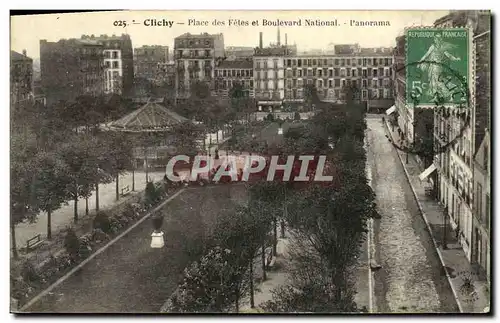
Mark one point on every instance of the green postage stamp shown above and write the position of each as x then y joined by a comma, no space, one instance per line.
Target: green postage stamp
437,66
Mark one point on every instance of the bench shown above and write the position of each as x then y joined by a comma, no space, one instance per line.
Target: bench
125,190
34,242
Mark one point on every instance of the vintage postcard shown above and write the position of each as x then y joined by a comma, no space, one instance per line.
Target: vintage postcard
250,162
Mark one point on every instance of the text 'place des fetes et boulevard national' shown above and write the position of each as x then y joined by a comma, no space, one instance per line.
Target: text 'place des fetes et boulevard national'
175,162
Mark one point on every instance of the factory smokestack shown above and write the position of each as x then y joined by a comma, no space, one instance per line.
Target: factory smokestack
279,43
260,39
286,40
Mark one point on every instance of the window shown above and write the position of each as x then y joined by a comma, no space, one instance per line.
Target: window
275,63
115,54
294,73
107,64
320,72
336,62
348,72
342,62
337,72
479,200
115,64
337,82
365,83
107,54
487,211
330,83
314,62
348,62
342,72
330,73
375,72
314,72
299,73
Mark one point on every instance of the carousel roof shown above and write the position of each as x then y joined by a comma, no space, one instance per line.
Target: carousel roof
150,117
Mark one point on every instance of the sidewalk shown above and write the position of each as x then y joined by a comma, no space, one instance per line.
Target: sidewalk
454,261
275,277
64,216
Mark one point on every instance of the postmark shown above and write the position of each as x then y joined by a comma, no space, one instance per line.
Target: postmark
438,76
466,288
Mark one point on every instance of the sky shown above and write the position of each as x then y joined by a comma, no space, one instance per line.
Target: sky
26,31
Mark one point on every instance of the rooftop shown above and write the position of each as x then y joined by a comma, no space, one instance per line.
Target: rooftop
201,35
237,64
15,56
148,118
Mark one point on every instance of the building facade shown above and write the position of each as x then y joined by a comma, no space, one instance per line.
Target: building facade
368,70
455,166
229,73
147,59
70,68
404,115
481,221
118,63
269,77
195,59
21,78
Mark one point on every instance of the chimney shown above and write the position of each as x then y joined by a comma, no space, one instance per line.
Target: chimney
260,40
166,54
278,43
24,52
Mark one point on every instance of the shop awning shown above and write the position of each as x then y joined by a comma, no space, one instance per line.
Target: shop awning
390,110
427,172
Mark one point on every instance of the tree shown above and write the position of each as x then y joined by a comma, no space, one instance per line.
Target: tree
208,284
119,157
311,98
186,136
79,154
52,177
23,204
351,93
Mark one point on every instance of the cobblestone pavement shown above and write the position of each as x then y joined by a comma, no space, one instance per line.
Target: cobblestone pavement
411,279
129,276
475,299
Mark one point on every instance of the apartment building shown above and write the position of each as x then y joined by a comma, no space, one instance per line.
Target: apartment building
195,60
369,70
229,73
481,220
70,68
147,59
118,63
269,85
467,128
21,78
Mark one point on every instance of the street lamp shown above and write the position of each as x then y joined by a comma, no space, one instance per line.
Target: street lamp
445,220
